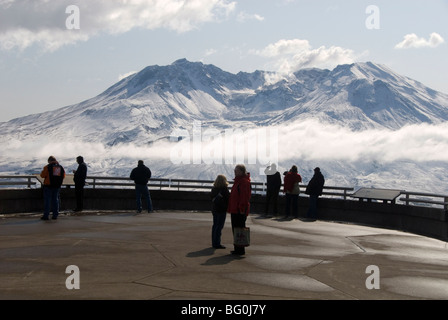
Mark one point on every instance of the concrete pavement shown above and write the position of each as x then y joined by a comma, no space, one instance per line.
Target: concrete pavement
167,255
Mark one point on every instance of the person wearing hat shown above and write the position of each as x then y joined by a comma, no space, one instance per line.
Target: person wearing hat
273,185
314,190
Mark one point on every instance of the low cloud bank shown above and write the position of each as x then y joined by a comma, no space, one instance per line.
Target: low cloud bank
413,158
314,141
301,141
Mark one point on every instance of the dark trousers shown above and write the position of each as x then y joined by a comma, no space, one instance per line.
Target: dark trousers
272,197
238,221
292,200
51,201
219,219
142,190
79,192
312,211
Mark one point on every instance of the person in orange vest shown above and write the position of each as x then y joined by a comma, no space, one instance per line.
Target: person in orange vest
53,174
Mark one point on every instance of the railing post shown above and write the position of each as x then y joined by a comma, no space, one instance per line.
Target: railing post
407,198
445,206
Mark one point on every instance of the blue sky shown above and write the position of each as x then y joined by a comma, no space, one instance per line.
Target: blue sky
58,53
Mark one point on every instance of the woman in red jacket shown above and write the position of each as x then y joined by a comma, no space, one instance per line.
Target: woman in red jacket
292,190
239,202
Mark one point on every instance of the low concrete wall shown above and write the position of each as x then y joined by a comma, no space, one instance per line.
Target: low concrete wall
431,222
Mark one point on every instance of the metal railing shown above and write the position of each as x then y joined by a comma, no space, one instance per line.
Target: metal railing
18,181
425,198
197,185
158,183
29,181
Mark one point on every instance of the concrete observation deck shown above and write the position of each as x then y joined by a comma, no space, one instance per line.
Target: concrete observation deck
167,255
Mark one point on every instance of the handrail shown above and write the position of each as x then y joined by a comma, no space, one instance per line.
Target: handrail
27,183
161,183
407,199
201,184
204,185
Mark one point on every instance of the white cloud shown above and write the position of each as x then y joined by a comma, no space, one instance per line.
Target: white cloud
210,52
324,57
311,140
411,158
122,76
243,17
51,40
290,55
413,41
284,47
43,22
307,140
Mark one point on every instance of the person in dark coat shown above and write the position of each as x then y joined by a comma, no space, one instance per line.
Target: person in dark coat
141,175
273,185
220,199
314,190
79,178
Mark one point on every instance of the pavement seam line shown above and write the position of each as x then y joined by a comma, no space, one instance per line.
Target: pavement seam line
356,244
164,256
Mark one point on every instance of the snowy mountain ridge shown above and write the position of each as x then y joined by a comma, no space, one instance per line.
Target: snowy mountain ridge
149,104
320,116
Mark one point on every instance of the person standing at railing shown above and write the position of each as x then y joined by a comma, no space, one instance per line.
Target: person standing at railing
79,178
273,185
53,175
239,202
314,190
220,200
141,175
292,190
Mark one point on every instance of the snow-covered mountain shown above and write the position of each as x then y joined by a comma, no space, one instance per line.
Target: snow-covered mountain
149,104
147,107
